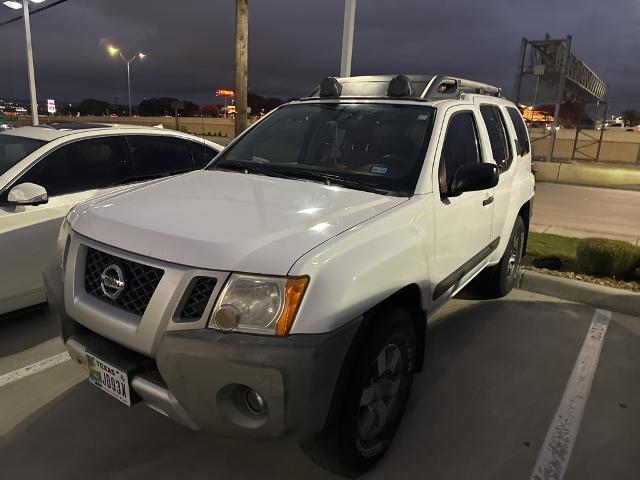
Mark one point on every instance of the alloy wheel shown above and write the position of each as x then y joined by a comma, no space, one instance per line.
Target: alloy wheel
380,393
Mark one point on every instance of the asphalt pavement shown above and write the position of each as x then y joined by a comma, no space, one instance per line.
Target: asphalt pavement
581,212
499,375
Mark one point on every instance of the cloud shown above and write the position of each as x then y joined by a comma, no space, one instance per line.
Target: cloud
294,44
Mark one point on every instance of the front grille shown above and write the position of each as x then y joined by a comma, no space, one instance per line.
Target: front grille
140,281
198,298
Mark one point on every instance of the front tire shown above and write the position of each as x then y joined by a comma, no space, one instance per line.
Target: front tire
504,276
364,420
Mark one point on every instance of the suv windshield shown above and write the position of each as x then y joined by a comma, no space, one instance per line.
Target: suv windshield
373,147
14,148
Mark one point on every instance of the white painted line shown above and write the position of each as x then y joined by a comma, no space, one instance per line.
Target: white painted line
36,367
554,456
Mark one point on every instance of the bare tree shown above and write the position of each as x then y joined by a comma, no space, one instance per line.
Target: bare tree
631,117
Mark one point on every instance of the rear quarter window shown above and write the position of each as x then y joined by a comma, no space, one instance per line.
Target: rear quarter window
521,131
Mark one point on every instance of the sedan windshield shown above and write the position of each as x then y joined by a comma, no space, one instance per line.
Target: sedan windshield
14,148
372,147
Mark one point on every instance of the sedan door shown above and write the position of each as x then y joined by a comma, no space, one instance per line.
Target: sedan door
71,174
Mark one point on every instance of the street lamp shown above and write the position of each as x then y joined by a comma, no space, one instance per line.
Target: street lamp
24,5
113,51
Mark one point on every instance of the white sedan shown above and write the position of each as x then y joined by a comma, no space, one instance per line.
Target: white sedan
45,171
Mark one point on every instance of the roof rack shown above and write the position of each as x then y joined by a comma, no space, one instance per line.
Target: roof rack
414,87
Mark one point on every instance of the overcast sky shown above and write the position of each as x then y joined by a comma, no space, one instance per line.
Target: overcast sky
295,43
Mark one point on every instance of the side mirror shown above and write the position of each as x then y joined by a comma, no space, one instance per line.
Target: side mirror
472,177
27,194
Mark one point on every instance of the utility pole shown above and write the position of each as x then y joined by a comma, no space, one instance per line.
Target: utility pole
347,37
32,76
242,61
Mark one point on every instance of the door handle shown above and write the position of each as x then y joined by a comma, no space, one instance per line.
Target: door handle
487,201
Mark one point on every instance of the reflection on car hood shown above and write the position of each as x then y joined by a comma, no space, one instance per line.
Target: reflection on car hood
227,221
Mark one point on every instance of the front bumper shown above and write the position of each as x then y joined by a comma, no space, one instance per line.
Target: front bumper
198,376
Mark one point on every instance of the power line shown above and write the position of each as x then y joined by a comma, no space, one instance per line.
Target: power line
33,12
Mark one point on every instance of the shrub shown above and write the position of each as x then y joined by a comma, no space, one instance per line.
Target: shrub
604,257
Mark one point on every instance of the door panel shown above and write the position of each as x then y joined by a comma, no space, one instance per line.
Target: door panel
28,237
71,174
517,139
463,222
503,151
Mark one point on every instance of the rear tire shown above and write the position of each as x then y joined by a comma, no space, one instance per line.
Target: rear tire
363,421
503,277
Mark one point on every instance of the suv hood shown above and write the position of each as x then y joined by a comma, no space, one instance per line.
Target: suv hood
227,221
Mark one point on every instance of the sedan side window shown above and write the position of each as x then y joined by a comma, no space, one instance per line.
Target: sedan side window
460,146
202,154
80,166
157,156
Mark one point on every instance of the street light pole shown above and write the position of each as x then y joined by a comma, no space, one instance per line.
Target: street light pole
347,37
32,76
113,51
24,6
128,62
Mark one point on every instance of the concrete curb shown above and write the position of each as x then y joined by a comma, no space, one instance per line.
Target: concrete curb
585,174
608,298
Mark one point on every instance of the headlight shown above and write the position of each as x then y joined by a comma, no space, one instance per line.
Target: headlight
257,304
63,243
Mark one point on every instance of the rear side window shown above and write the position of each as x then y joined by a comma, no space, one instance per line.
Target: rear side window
80,166
157,156
521,130
460,147
202,154
497,136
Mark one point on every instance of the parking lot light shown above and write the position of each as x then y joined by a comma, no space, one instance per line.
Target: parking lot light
15,5
113,51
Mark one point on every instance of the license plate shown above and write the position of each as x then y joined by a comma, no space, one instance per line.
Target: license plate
107,377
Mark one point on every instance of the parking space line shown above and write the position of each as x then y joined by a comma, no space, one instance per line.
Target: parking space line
34,368
555,453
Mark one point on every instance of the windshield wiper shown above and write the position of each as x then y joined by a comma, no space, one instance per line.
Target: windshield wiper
294,173
331,179
253,167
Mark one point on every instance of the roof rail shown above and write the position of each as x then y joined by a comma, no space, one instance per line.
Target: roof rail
413,87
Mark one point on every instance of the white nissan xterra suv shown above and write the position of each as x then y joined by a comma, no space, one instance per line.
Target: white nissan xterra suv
285,288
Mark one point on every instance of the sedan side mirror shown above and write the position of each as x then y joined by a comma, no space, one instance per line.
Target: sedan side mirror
27,194
471,177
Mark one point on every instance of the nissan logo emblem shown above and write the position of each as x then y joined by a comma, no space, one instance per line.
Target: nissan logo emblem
112,281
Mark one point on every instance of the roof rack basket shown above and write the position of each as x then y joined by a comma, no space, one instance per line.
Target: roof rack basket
442,86
413,87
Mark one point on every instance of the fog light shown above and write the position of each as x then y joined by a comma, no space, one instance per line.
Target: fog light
226,319
255,403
